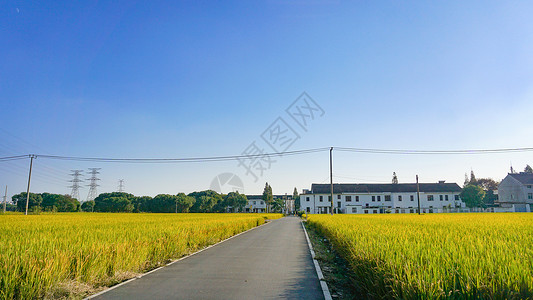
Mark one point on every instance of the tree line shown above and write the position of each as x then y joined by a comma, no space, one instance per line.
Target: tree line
201,202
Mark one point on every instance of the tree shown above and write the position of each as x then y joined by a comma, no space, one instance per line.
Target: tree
394,178
473,195
296,199
88,206
528,169
267,196
114,202
61,203
472,178
277,205
207,201
183,203
236,201
467,181
20,201
488,185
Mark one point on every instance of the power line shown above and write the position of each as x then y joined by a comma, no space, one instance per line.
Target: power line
181,160
407,151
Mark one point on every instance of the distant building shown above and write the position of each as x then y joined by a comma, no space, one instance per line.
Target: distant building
516,192
257,205
367,198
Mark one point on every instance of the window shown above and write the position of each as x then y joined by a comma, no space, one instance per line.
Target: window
367,205
430,197
374,198
321,198
379,198
356,198
307,199
412,198
348,198
308,210
529,186
375,211
262,203
366,211
338,196
530,195
329,198
387,197
399,198
446,197
456,197
254,202
354,210
411,211
441,197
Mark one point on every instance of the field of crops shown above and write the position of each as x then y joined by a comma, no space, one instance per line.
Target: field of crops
436,255
72,254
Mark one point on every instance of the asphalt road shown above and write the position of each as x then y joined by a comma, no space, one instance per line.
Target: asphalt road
269,262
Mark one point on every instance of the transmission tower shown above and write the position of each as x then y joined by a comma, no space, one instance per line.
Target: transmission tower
121,185
92,186
75,193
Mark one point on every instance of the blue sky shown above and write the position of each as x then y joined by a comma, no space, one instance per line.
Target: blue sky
191,79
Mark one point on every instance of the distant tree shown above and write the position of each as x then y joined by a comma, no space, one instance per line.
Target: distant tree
473,195
467,181
528,169
142,204
277,205
61,203
236,201
394,178
267,196
207,201
88,206
296,199
33,205
183,203
472,178
488,185
114,202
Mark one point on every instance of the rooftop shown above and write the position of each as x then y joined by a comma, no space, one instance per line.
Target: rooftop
319,188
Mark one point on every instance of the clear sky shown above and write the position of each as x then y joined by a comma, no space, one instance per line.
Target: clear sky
205,78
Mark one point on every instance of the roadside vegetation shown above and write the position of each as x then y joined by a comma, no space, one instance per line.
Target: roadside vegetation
71,255
455,256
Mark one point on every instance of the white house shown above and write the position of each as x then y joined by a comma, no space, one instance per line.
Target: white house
257,205
516,191
367,198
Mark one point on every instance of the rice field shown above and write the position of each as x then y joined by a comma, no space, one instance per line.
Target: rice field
75,254
435,256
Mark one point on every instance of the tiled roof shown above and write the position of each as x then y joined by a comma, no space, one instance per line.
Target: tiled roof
524,178
317,188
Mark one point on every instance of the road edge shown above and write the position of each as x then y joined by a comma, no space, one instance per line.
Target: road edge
175,261
323,284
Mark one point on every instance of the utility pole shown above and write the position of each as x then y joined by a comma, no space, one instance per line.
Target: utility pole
32,156
5,199
92,190
75,193
331,176
121,185
418,194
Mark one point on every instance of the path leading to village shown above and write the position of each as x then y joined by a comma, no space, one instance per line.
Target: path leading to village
269,262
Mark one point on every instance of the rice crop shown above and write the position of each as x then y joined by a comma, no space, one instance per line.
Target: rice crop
75,254
435,256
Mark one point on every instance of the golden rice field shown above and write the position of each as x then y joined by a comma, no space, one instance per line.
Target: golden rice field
73,254
435,256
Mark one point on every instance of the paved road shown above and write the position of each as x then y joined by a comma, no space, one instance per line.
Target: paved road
269,262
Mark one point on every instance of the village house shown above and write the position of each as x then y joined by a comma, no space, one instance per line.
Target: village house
516,192
365,198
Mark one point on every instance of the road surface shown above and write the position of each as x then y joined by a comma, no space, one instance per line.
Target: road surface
269,262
